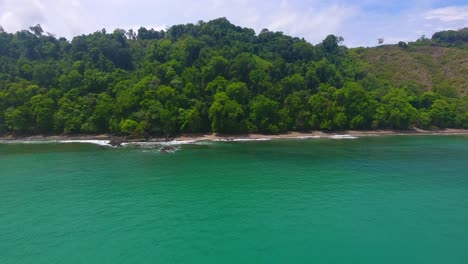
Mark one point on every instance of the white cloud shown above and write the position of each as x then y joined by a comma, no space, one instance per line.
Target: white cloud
314,23
16,13
60,16
359,22
449,14
405,25
312,20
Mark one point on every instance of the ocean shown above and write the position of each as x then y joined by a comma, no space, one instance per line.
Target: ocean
386,199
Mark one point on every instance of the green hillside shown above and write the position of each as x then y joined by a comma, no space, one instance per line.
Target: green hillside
217,77
433,68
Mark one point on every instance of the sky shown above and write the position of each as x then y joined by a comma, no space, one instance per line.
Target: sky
360,22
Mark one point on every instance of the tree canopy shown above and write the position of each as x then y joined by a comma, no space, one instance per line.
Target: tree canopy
205,77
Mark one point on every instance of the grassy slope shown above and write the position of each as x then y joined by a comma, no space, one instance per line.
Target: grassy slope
427,66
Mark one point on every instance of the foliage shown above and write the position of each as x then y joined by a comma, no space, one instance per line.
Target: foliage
457,38
210,76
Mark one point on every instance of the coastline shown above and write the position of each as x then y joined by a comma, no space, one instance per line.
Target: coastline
188,138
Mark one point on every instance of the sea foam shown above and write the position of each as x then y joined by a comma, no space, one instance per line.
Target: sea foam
346,136
95,142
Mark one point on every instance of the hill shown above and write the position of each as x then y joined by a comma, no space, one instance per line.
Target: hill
217,77
433,68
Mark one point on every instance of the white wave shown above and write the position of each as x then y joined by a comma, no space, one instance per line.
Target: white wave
139,144
221,140
251,139
308,137
95,142
178,142
161,143
346,136
155,147
170,149
85,141
27,141
240,139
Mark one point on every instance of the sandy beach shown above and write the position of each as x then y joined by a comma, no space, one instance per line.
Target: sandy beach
245,137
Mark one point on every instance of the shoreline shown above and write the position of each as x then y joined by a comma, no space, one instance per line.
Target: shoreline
346,134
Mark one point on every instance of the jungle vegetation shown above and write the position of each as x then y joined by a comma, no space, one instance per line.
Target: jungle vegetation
216,77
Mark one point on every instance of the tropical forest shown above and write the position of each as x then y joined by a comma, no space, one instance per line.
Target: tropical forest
218,77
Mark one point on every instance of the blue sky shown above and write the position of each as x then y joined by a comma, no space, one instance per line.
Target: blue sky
359,22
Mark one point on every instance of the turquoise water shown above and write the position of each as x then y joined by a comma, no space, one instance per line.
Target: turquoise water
366,200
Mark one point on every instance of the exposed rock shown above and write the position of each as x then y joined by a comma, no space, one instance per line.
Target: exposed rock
167,149
116,141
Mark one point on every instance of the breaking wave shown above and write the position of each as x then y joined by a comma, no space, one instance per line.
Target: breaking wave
95,142
346,136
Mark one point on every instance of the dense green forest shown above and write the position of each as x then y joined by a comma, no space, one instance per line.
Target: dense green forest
208,77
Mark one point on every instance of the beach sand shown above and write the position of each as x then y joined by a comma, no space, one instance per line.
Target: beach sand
246,137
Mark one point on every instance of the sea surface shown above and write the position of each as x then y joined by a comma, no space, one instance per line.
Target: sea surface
397,199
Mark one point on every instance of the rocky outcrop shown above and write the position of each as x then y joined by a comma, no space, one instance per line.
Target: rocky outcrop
116,141
167,149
